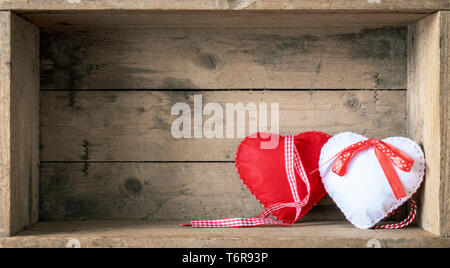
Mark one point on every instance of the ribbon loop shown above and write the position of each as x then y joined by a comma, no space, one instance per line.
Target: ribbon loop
412,214
387,156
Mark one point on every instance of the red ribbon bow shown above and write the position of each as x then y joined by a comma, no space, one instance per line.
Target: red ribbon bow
387,156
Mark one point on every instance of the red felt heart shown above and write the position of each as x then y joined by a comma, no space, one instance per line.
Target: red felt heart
263,171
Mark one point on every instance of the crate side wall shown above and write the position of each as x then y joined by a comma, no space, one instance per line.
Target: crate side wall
20,123
445,122
5,134
428,114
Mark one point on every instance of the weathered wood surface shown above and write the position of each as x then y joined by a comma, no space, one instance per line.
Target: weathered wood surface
304,5
24,122
214,19
169,234
225,58
445,125
149,191
5,134
428,86
19,106
136,125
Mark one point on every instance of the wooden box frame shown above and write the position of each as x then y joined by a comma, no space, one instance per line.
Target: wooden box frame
428,123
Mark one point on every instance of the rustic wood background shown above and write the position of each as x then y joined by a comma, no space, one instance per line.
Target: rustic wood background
106,95
19,121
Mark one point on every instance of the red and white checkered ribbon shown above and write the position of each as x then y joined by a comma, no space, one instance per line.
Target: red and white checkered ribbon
405,222
293,165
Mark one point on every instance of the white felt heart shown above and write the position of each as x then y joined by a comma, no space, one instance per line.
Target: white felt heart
364,194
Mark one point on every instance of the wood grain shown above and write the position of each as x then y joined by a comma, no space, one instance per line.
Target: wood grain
136,125
24,122
224,58
5,121
149,191
112,234
445,82
445,122
62,21
304,5
19,86
428,88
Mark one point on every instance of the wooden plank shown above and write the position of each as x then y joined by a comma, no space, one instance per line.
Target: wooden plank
169,234
214,19
19,84
149,191
24,123
225,58
428,87
304,5
136,125
5,134
445,122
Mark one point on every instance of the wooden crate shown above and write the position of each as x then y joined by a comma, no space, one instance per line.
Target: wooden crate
86,89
